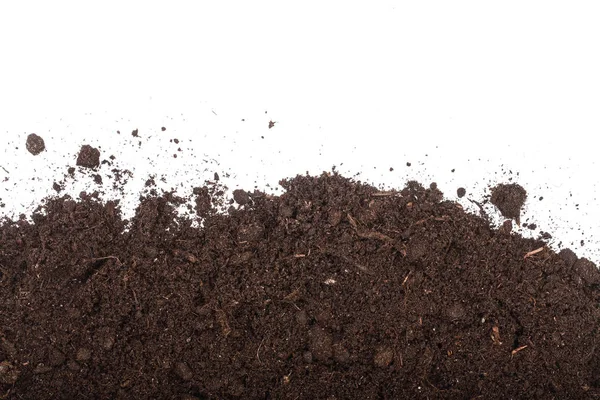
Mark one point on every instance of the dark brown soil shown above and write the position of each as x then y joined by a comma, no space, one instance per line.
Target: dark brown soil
332,291
460,192
89,157
35,144
241,196
509,199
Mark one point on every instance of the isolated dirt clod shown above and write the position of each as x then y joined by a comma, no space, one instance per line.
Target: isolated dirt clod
509,199
241,197
89,157
35,144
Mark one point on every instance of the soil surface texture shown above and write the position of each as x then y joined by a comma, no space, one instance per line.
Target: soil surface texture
509,199
35,144
334,290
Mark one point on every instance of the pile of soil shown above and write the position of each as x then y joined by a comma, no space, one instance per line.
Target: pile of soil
333,290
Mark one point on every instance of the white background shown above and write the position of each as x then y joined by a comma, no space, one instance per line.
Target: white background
480,87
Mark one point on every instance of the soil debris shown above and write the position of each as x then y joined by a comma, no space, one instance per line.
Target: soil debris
89,157
509,199
35,144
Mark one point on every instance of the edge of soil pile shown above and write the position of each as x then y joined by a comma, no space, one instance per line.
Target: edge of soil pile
333,290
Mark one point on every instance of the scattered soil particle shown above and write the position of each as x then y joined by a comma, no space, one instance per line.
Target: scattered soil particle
271,124
461,192
509,199
35,144
89,157
332,290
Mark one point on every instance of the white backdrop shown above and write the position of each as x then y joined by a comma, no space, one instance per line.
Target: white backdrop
473,86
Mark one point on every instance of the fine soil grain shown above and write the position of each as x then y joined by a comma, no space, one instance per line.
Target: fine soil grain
333,290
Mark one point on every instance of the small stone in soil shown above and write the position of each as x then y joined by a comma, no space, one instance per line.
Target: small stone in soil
461,192
89,157
35,144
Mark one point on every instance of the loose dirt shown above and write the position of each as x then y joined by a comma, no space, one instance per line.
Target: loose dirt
333,290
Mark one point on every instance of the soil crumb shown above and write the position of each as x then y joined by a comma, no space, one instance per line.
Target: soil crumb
461,192
509,199
89,157
35,144
333,290
241,197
